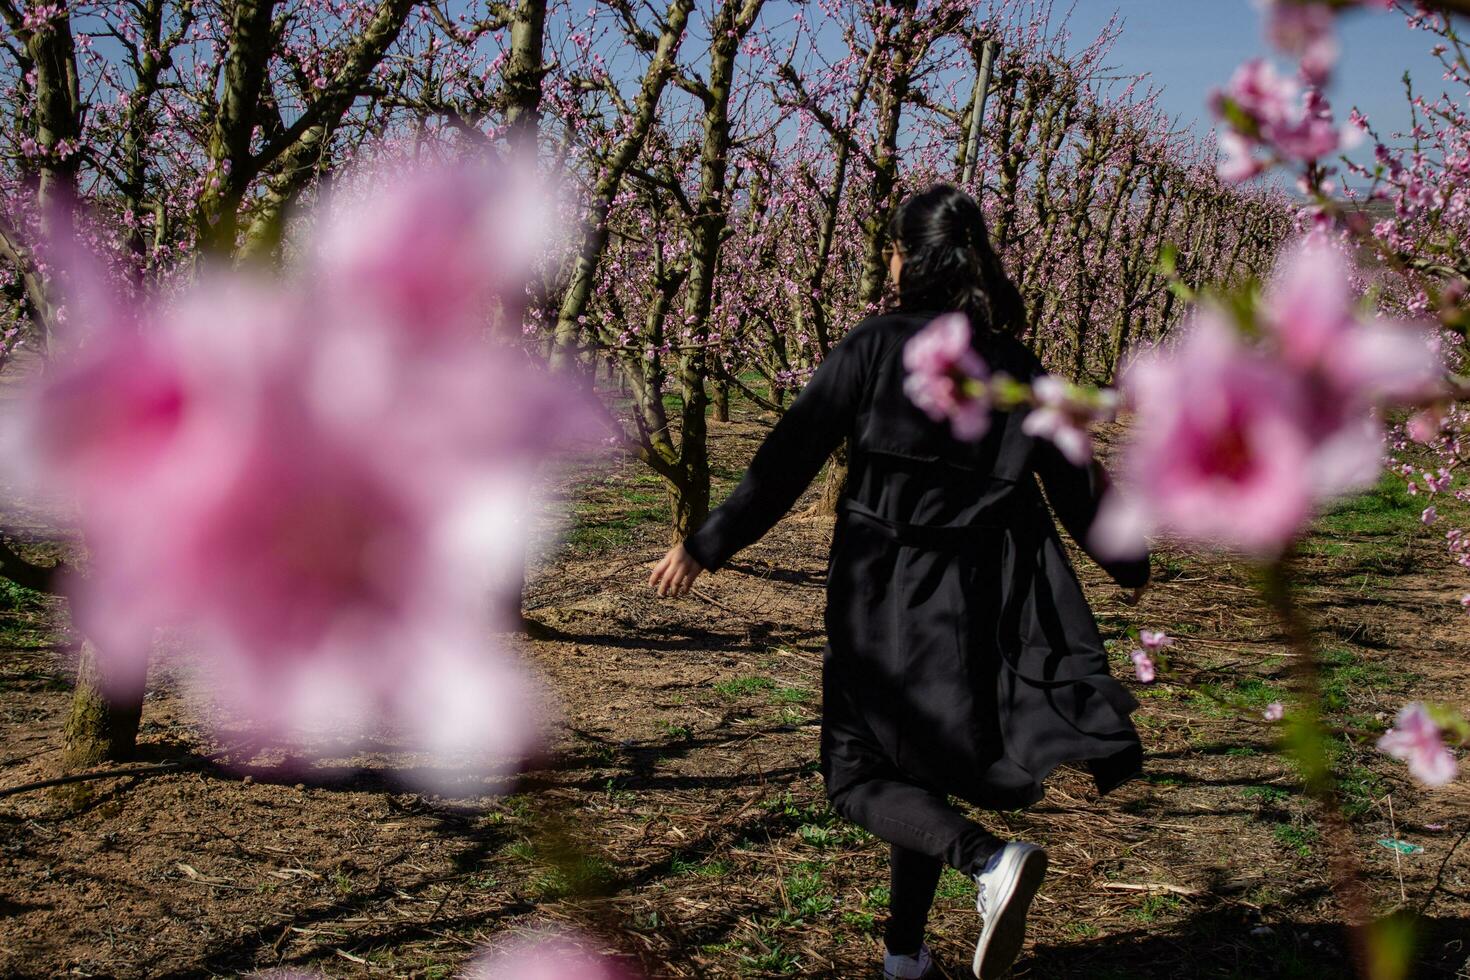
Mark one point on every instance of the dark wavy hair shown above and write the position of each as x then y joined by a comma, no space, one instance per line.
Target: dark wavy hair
949,263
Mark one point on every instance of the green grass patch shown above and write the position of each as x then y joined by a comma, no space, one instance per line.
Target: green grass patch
1386,509
1155,907
582,875
739,687
599,528
772,961
1372,532
675,731
18,598
1359,788
1346,675
806,894
1266,795
702,867
1296,838
955,884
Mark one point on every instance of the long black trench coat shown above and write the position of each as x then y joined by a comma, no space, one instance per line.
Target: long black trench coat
961,655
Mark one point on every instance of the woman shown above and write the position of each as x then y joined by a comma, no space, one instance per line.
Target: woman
962,658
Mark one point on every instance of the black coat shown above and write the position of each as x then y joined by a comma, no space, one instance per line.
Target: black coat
961,652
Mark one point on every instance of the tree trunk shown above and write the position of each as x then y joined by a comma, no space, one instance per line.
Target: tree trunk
688,506
523,77
834,482
105,712
722,400
567,334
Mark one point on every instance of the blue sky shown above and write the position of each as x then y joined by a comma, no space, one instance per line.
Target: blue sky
1191,46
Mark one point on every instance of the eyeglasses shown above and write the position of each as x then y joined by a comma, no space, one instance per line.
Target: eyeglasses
889,251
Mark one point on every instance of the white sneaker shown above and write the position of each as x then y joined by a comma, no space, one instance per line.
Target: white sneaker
907,967
1006,887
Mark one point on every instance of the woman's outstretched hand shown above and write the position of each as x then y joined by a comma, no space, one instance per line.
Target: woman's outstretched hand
675,572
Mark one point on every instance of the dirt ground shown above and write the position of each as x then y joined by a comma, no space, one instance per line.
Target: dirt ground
679,817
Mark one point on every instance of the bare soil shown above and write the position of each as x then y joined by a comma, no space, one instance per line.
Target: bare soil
679,817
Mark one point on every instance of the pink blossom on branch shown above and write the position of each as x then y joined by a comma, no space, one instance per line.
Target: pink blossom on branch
1266,110
1416,738
1234,445
1155,640
1218,442
946,376
1063,414
1349,362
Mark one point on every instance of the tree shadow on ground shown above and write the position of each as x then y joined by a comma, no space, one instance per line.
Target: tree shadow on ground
1223,944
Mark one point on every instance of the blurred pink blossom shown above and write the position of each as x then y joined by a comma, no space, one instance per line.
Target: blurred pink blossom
322,478
549,957
1154,640
1235,445
1305,31
1311,313
1417,740
1275,711
1143,666
946,375
1266,110
432,252
1217,447
1063,414
1239,162
1348,362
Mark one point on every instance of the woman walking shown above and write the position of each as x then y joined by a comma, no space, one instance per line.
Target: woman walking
962,658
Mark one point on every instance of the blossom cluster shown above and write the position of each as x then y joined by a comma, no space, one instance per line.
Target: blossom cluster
948,379
1237,444
322,478
1288,118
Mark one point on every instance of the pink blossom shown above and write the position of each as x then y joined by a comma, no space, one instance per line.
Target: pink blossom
1239,162
1154,640
1307,137
1264,108
432,254
1416,739
1218,442
1143,666
1465,601
1062,414
1305,31
1275,711
1259,92
551,957
1425,426
1348,363
328,494
1430,515
946,376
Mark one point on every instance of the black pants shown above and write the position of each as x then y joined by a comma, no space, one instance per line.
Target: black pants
926,833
